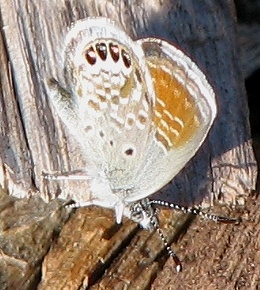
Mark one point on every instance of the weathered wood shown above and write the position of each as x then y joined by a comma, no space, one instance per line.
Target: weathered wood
28,227
131,257
33,140
218,256
249,39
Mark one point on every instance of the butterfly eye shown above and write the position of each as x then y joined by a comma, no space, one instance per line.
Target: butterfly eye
114,51
90,56
102,50
126,58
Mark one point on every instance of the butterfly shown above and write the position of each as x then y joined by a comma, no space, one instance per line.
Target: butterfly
139,110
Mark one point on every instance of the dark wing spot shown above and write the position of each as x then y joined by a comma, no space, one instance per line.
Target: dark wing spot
90,56
102,50
126,58
129,152
114,51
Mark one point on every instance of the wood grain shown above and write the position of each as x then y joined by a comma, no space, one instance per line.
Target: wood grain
33,140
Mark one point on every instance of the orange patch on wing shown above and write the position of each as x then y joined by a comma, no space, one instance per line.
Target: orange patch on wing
176,115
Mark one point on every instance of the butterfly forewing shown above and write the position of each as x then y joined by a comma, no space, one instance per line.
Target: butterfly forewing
110,87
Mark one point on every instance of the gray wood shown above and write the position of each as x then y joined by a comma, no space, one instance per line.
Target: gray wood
33,139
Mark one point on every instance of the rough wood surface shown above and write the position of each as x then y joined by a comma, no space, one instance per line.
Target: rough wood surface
249,39
33,140
218,256
27,229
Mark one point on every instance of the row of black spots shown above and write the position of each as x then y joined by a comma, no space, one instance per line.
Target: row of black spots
101,50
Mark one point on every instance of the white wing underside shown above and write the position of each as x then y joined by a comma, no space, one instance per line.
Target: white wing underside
117,181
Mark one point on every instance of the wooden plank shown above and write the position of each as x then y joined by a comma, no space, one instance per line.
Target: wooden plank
34,140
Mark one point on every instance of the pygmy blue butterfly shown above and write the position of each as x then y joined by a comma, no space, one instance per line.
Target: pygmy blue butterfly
139,110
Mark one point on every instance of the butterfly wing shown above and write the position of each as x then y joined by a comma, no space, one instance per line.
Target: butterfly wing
184,111
108,102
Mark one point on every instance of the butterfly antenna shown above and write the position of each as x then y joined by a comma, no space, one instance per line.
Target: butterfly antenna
196,211
171,253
